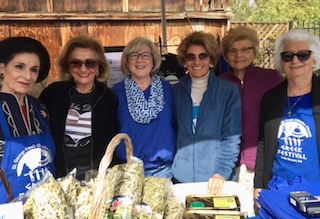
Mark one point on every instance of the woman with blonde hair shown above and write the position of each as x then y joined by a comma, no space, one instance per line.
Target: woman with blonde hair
146,108
83,110
240,46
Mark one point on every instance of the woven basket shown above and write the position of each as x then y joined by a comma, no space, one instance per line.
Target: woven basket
6,184
102,172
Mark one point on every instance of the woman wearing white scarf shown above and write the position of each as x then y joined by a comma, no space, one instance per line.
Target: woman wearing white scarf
145,108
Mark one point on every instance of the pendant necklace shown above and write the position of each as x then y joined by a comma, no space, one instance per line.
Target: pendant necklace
293,105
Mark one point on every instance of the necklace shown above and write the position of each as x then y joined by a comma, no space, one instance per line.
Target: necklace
86,92
293,105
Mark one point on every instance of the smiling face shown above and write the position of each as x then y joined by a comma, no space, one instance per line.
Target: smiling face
20,74
83,75
140,65
199,65
296,68
240,55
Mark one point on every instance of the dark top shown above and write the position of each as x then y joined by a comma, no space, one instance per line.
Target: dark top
57,98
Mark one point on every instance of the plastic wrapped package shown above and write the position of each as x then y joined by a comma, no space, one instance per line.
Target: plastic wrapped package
70,186
155,194
123,192
84,201
174,208
121,180
47,200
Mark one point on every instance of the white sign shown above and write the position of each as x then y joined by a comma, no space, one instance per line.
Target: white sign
114,58
12,210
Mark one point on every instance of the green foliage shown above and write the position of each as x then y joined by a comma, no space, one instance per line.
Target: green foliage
277,10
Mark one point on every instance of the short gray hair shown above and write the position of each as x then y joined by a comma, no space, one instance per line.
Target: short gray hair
133,46
297,35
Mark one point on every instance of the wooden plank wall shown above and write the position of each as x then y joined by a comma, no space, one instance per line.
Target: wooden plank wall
113,33
113,22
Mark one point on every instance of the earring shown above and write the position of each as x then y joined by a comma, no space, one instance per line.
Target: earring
211,65
184,65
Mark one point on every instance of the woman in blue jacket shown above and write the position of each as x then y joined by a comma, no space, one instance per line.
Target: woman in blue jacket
208,113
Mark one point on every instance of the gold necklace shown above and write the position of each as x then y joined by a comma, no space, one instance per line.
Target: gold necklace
291,107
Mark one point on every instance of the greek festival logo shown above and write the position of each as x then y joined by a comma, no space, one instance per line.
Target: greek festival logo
32,162
292,133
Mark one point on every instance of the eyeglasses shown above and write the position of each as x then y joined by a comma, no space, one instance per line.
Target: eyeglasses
192,57
144,55
89,63
302,55
233,51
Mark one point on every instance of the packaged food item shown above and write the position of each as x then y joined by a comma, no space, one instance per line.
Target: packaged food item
47,200
123,192
213,214
155,193
70,185
142,211
174,207
123,180
84,201
213,202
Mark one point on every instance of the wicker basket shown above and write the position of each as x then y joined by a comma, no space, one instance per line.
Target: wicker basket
102,172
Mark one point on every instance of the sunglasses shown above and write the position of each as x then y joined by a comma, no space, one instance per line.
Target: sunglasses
192,57
89,63
302,55
144,55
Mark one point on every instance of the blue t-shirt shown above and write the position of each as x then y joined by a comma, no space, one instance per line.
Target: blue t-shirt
297,153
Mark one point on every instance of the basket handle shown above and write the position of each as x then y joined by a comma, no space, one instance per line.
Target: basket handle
102,171
6,184
107,158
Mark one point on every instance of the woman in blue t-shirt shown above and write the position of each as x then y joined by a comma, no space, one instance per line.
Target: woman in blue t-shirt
289,118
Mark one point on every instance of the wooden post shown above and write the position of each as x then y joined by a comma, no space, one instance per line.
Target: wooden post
125,5
164,26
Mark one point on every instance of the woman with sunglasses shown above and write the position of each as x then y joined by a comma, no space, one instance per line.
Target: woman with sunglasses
82,108
208,111
240,47
289,138
26,146
146,108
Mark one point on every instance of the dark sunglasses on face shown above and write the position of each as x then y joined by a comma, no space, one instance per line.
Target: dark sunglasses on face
302,55
144,55
89,63
192,57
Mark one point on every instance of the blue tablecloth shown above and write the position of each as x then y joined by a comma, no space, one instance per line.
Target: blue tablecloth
275,202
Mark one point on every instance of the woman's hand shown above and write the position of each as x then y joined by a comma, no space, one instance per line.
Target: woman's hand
256,195
215,184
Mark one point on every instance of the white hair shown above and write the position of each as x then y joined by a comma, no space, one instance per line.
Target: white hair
297,35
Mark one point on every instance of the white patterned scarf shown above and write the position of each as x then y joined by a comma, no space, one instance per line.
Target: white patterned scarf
142,110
